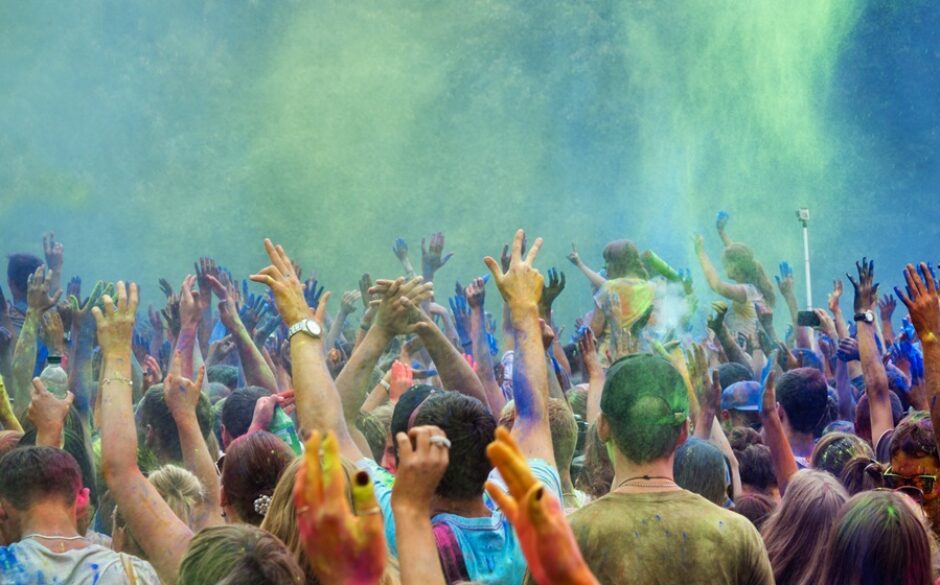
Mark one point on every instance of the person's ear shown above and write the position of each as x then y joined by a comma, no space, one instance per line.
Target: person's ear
603,428
226,438
725,415
150,437
683,433
82,501
782,414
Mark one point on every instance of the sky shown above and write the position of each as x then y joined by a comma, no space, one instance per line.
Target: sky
147,134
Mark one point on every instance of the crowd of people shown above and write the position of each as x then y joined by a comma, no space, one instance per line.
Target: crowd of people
252,432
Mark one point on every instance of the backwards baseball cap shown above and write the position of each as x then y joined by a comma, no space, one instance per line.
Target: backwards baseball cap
645,390
744,396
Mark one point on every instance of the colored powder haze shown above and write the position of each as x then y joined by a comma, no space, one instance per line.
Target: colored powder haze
149,133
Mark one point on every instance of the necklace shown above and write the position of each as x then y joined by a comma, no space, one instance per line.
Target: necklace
646,478
46,537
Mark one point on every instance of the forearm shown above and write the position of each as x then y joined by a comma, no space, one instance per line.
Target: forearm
876,381
318,403
596,380
118,439
484,361
887,332
711,275
732,350
336,329
453,369
376,398
417,550
198,460
352,383
595,278
24,361
780,451
931,347
844,390
718,437
206,323
257,371
530,384
81,382
7,419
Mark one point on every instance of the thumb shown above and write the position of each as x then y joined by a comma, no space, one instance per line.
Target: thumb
69,399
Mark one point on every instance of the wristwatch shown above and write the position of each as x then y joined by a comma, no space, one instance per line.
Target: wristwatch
866,316
308,326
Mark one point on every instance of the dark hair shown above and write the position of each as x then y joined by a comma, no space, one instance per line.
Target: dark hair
76,444
863,416
876,539
914,436
732,372
741,437
470,428
406,405
239,409
756,467
803,394
33,474
861,474
218,391
155,413
19,268
253,464
223,374
834,450
700,467
755,507
645,403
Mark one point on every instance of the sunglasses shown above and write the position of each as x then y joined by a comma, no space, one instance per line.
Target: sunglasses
924,483
908,490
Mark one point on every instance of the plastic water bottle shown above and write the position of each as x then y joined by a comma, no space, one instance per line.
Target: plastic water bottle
54,377
282,427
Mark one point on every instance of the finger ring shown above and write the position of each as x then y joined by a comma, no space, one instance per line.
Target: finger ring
440,441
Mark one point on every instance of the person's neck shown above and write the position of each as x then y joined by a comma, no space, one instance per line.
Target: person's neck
801,444
660,469
468,508
49,519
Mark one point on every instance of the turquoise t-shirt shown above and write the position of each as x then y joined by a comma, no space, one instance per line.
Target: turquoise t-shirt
488,544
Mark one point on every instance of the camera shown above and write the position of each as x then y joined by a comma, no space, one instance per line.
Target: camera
802,214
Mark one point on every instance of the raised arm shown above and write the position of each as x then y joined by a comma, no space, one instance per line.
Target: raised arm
780,451
257,371
482,358
876,380
521,288
81,376
162,535
53,251
400,249
734,292
923,303
721,223
594,278
318,403
38,300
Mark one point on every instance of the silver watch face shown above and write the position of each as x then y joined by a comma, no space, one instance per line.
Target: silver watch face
312,327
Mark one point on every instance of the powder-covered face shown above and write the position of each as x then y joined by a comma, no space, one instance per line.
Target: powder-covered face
903,464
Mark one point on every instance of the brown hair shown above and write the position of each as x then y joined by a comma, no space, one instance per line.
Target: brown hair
237,554
878,538
751,271
253,464
796,533
597,474
861,474
623,259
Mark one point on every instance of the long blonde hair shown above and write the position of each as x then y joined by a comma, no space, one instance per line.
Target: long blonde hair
281,521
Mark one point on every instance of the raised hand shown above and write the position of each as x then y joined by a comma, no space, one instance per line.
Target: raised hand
506,257
365,283
53,331
47,412
721,220
698,243
717,319
288,292
461,311
866,293
74,287
350,299
53,251
312,293
521,283
116,322
400,249
167,288
835,296
396,309
204,268
172,315
401,379
189,307
886,306
550,291
768,405
37,290
431,259
182,394
344,544
152,372
922,302
848,349
587,346
537,516
573,255
785,280
476,293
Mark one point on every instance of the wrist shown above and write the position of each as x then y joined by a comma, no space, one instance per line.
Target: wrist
185,416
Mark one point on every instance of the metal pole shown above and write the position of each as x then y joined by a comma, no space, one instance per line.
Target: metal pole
809,282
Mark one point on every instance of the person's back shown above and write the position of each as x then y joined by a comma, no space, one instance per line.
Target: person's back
40,496
668,537
648,530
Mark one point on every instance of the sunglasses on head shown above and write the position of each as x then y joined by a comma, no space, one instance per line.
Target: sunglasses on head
925,483
908,490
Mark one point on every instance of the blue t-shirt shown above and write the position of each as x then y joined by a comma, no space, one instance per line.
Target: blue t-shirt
488,544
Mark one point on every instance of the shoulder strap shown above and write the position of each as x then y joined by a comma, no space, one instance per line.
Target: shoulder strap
448,549
128,569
